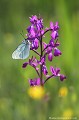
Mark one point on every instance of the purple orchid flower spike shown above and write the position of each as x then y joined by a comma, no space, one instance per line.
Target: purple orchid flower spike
35,34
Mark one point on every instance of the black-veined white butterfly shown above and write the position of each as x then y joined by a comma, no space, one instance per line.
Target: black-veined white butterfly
22,51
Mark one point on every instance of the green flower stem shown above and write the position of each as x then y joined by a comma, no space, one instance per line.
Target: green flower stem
41,54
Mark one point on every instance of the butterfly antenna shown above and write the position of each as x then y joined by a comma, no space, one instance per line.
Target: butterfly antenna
22,34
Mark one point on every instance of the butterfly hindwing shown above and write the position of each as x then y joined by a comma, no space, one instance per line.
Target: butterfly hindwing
25,53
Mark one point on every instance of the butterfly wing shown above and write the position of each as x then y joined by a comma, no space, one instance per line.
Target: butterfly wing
25,53
22,51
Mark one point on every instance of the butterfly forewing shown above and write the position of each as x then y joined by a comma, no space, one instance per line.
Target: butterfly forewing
22,51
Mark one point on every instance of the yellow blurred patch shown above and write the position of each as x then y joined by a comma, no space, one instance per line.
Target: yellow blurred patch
63,91
36,92
68,113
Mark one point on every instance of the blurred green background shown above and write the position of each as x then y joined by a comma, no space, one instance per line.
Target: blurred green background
15,104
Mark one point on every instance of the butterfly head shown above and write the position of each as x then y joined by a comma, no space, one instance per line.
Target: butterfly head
25,41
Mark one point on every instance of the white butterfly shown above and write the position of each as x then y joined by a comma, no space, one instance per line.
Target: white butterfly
22,51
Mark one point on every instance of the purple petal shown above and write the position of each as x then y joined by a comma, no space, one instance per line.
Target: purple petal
44,45
50,56
34,64
31,82
39,24
49,49
31,60
33,19
62,77
54,35
25,64
56,27
57,71
36,43
44,70
51,42
51,25
43,59
56,44
57,52
37,68
37,82
53,70
32,31
42,32
28,29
